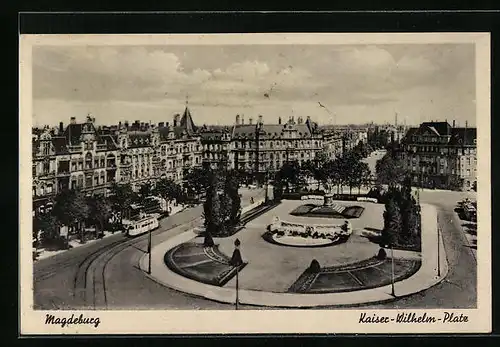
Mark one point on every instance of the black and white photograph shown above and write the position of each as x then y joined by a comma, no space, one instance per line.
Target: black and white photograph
266,183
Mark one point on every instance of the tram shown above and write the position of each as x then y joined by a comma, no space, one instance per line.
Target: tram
141,226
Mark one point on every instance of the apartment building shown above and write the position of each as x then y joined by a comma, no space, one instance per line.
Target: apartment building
261,148
73,157
440,155
180,146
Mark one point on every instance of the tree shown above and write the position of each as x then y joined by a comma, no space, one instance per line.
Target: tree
392,223
291,174
50,227
231,190
222,207
363,176
331,175
71,209
121,196
277,190
196,180
315,168
100,211
145,190
168,189
389,171
353,170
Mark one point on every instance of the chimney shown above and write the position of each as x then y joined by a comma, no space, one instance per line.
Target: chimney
61,127
161,124
242,119
250,120
72,120
167,124
176,120
279,120
237,119
453,124
126,124
260,119
119,125
300,120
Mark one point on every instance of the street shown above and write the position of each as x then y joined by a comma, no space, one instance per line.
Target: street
55,279
126,286
459,289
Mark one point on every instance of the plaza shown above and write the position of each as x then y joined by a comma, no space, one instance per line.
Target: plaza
278,275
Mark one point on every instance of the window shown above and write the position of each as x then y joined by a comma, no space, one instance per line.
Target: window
88,161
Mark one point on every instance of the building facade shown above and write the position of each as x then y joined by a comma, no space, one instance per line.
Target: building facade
263,148
438,155
75,157
180,148
92,158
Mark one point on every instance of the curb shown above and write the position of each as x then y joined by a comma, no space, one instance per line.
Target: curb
251,297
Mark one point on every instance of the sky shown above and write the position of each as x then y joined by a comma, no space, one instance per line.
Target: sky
355,83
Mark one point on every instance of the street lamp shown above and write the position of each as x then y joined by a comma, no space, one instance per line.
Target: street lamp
438,252
236,261
149,252
392,271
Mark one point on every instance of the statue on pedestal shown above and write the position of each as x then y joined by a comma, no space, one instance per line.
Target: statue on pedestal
328,200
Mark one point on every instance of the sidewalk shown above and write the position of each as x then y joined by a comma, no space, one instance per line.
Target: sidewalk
426,277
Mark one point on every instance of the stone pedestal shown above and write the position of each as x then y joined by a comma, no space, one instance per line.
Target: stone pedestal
328,200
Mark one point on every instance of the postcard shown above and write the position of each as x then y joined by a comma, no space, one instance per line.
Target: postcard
255,183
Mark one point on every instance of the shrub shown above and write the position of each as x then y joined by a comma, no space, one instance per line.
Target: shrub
315,235
280,233
381,254
208,241
314,267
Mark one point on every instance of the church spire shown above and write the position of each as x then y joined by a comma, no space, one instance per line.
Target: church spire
187,120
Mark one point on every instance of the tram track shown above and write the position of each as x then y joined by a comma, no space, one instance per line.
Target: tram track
90,281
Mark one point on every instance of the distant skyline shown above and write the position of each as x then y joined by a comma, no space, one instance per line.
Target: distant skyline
356,84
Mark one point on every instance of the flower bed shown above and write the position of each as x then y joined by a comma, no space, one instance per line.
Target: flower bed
312,235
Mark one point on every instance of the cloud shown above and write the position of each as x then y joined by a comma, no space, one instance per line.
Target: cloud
343,77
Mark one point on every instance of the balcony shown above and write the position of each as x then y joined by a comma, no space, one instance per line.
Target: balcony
63,173
47,175
74,149
122,164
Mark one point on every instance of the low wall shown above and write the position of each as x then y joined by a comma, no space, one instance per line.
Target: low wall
256,203
365,199
312,197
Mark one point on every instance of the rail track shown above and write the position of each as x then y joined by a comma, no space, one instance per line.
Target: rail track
90,283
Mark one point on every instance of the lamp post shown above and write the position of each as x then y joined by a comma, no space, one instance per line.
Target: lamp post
392,271
438,252
236,261
149,252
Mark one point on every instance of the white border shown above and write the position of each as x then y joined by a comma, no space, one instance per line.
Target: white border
258,321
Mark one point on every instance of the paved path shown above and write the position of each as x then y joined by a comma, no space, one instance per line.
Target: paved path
426,277
54,278
459,289
124,280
